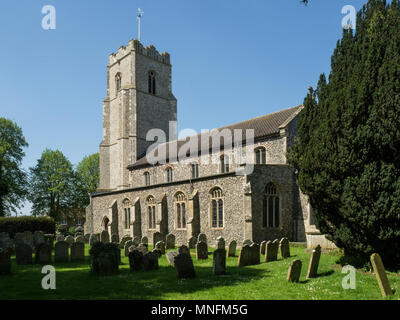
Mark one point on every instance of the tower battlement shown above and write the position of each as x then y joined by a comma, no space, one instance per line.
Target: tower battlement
135,45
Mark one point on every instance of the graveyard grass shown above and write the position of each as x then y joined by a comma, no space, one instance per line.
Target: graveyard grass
260,282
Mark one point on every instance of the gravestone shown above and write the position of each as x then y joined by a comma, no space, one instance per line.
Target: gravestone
160,245
201,251
18,238
145,240
314,262
128,244
150,261
284,248
94,237
5,241
80,239
43,254
255,253
294,271
38,238
142,248
23,254
135,260
104,258
170,241
78,251
262,247
124,240
28,238
114,238
381,276
271,251
156,237
104,236
171,257
5,261
220,243
158,252
183,249
202,237
61,251
59,237
247,242
232,249
275,249
219,262
70,240
192,242
245,256
87,237
136,241
184,266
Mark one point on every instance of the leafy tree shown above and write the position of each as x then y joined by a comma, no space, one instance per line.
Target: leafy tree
52,183
13,179
348,153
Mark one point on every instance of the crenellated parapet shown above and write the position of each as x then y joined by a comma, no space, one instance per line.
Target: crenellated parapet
135,45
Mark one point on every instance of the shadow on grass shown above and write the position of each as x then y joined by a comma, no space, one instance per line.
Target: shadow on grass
325,274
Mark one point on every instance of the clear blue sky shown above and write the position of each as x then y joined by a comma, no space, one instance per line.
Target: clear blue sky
232,60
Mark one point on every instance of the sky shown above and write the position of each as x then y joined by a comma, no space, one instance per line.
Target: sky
232,60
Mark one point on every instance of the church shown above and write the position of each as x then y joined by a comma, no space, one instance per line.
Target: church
209,191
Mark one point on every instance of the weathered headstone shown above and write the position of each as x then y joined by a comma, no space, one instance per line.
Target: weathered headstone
381,276
128,244
77,251
87,237
184,249
275,249
5,261
104,236
271,251
262,247
220,243
201,251
23,254
43,254
170,241
232,249
135,260
80,239
219,262
247,242
294,271
150,261
202,238
314,262
38,238
145,240
104,258
94,237
124,240
184,266
156,237
171,257
143,248
61,251
114,238
160,245
59,237
70,240
255,253
192,242
245,256
28,238
284,248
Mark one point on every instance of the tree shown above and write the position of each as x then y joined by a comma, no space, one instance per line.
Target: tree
348,153
87,175
52,183
13,179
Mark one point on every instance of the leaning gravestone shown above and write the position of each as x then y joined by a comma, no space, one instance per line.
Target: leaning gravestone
219,262
23,254
255,253
124,240
94,237
171,257
114,238
294,271
284,248
184,266
232,249
38,238
70,240
160,245
77,251
61,251
201,251
104,236
59,237
150,261
381,276
220,243
104,258
43,254
170,239
202,237
80,239
184,249
128,244
262,247
5,261
192,242
135,260
245,257
143,248
314,262
156,237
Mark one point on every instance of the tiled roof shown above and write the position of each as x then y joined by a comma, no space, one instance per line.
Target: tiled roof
263,126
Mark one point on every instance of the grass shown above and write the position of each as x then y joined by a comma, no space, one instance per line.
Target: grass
261,282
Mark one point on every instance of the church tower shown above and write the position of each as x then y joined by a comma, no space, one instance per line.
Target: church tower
139,98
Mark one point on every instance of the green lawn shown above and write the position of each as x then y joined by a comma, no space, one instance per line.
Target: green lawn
264,281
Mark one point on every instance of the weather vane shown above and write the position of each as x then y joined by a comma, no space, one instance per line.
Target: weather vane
139,16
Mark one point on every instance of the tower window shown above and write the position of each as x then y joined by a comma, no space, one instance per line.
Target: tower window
169,175
118,79
147,179
152,82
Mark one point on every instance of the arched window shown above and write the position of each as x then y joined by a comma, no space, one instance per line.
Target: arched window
224,164
146,178
261,156
195,170
118,79
151,212
169,174
271,207
152,82
217,208
180,210
127,213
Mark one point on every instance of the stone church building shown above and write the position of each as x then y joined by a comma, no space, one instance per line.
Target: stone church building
138,197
